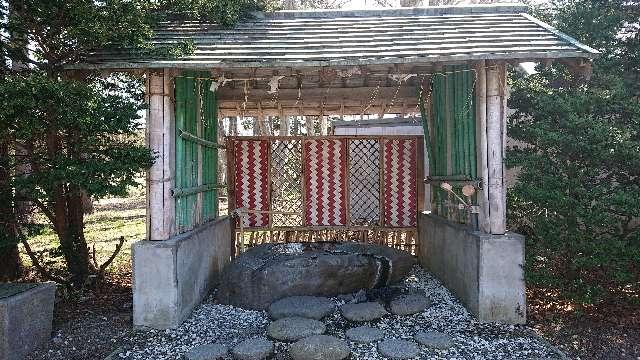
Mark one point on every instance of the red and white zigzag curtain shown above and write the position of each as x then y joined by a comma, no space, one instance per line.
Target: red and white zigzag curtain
324,182
383,170
252,180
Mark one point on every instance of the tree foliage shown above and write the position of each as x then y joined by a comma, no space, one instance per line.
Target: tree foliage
578,191
73,130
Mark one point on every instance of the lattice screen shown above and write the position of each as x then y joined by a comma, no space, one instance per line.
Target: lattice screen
286,181
364,181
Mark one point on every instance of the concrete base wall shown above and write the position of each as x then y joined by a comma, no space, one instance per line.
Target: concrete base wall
25,321
484,271
171,277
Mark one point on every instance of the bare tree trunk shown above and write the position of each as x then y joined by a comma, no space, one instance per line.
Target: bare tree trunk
87,203
68,222
72,241
10,266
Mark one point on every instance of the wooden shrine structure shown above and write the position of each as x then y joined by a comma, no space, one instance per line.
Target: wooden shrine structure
447,63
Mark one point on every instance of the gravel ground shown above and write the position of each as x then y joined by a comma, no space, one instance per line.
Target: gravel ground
212,322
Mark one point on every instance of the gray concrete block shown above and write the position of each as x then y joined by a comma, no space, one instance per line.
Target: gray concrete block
25,321
484,271
172,277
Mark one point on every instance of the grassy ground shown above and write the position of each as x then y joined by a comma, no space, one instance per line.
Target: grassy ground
112,218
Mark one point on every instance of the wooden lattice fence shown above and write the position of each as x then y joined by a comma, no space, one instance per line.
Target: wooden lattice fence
296,188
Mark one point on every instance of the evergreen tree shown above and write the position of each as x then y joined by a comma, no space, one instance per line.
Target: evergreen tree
578,194
77,126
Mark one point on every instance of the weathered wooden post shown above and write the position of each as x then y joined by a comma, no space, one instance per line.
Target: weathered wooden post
495,147
161,140
481,144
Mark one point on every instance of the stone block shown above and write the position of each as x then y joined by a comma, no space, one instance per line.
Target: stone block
173,276
484,271
25,320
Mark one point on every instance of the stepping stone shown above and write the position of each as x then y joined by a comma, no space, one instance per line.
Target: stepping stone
364,334
434,339
320,347
253,349
409,304
363,311
294,328
312,307
208,352
398,349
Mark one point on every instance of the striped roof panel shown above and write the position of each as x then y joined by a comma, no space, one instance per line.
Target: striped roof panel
325,38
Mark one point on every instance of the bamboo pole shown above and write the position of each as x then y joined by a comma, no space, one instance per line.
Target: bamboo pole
199,213
168,155
495,114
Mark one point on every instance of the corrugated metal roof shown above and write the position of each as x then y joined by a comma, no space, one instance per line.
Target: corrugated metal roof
323,38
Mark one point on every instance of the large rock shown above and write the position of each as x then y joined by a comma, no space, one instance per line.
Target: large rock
294,328
320,347
363,311
312,307
271,272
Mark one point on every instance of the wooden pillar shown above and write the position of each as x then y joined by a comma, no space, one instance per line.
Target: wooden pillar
161,140
495,132
481,145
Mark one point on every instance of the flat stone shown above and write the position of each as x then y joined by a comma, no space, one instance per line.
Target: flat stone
398,349
208,352
364,334
312,307
434,339
409,304
294,328
367,311
253,349
269,272
320,347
